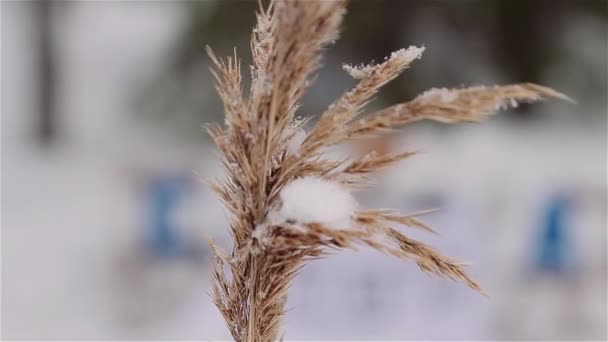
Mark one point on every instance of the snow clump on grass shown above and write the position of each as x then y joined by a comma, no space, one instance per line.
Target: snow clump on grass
315,200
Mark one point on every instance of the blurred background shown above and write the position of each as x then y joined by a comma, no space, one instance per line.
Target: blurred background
105,220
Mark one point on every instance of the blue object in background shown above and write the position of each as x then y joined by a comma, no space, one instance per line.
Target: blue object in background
555,248
163,196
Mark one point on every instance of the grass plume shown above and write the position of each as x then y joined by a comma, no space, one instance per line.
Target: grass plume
265,152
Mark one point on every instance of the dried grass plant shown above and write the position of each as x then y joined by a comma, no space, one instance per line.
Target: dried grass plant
289,203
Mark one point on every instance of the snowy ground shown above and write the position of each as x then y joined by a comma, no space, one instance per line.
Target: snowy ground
73,266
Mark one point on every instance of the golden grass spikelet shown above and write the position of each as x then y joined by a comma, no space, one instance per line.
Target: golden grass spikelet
356,173
265,151
371,78
451,105
375,217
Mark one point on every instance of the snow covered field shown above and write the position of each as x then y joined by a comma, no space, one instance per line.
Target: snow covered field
74,265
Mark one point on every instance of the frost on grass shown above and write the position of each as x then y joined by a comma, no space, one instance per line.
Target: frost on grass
443,95
315,200
406,56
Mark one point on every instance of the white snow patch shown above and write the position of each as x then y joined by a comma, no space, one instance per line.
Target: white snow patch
360,71
409,54
406,56
442,94
315,200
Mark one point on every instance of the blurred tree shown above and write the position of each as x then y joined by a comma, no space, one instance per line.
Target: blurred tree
517,38
46,124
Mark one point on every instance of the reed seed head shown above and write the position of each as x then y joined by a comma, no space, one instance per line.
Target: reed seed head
288,202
